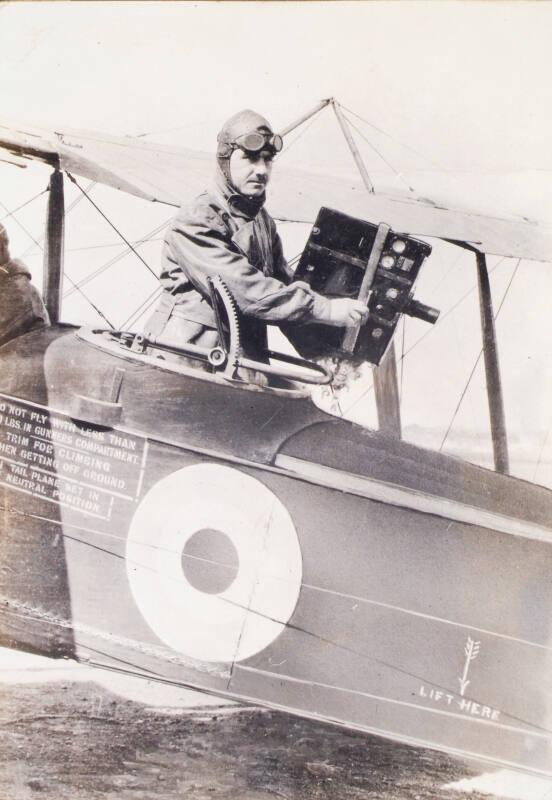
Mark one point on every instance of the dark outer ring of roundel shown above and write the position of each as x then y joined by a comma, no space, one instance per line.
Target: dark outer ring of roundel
210,562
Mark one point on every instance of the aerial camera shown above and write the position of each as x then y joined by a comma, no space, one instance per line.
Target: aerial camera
349,257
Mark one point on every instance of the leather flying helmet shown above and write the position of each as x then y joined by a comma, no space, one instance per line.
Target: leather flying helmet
250,132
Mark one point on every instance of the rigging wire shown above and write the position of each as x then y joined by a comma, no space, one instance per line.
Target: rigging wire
20,224
142,308
117,231
449,311
402,359
148,237
111,244
88,300
435,287
472,373
427,333
393,139
28,202
23,228
301,133
295,259
68,210
541,452
399,175
191,126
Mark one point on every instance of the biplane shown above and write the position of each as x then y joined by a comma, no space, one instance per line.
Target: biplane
211,527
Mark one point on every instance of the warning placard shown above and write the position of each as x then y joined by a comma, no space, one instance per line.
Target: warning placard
49,455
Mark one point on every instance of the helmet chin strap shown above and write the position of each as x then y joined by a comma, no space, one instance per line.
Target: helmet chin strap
251,203
224,166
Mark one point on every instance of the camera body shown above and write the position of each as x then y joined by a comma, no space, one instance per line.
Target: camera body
334,264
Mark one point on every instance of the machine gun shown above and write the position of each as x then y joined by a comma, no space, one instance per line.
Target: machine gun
349,257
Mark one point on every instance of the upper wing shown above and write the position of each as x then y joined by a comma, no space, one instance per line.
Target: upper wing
153,172
298,195
172,175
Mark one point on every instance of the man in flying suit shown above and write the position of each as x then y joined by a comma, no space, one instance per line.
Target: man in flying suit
21,307
226,231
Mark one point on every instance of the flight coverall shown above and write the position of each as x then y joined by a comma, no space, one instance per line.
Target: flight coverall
21,307
224,233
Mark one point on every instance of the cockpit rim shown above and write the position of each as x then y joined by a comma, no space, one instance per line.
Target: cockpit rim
96,337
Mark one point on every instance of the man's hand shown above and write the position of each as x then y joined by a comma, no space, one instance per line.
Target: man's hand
344,312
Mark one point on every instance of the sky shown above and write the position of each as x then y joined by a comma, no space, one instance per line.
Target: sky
461,100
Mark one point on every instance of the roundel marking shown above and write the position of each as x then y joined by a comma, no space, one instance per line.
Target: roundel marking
214,563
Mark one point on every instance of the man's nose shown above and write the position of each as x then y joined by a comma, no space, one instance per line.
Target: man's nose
261,167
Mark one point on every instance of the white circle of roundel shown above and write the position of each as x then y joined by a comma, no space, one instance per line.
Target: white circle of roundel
254,609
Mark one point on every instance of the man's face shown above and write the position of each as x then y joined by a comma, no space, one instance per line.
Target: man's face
251,171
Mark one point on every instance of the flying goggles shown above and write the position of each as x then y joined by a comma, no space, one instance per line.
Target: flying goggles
255,141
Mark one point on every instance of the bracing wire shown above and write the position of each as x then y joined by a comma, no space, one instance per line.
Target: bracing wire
442,278
427,333
393,139
68,210
300,134
191,126
148,237
541,452
88,300
108,245
20,225
362,396
117,231
472,373
142,308
399,175
295,259
28,202
449,311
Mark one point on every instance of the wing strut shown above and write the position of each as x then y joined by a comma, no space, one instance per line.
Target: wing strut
361,166
492,370
295,124
386,386
490,356
53,250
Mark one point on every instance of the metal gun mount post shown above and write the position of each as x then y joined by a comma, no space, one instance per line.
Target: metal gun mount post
386,387
351,336
384,376
492,369
53,250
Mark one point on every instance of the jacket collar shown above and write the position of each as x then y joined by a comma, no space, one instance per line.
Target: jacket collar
237,204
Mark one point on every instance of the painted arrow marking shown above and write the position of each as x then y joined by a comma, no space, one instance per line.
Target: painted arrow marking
471,651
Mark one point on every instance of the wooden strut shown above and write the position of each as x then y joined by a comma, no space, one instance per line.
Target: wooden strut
352,147
54,246
492,369
386,385
291,127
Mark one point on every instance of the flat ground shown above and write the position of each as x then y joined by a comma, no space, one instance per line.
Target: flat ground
80,741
